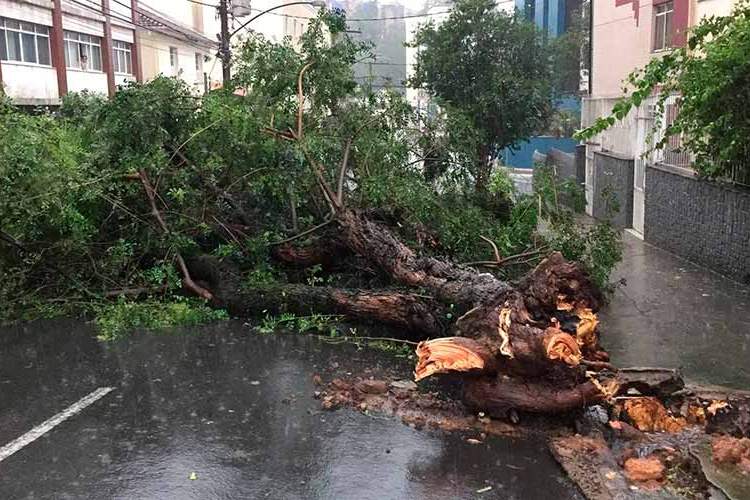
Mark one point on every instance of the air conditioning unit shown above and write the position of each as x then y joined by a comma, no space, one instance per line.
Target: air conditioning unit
240,8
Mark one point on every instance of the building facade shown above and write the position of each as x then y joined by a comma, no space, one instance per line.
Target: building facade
179,39
552,16
626,35
51,47
289,21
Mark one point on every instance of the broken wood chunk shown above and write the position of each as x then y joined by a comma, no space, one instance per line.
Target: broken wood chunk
451,354
648,414
644,469
563,347
372,386
728,449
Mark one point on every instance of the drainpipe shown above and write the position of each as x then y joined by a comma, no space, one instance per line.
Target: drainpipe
135,53
58,48
109,68
591,48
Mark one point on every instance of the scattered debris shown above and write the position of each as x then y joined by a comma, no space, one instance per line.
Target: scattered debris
414,408
644,469
193,476
372,386
406,385
649,414
731,450
590,463
724,476
485,489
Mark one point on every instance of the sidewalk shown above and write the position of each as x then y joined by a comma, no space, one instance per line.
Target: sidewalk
672,313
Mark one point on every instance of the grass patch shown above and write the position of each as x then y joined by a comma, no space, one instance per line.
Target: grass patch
114,321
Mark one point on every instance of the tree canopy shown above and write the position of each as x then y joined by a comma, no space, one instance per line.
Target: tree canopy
113,206
494,68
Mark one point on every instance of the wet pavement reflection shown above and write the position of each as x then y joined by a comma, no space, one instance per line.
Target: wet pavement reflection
220,412
674,314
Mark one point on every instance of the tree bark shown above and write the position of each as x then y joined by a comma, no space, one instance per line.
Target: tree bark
417,316
531,343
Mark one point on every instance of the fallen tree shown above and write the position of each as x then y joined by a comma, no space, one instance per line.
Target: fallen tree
530,345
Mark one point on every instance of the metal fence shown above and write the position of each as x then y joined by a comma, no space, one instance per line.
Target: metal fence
675,153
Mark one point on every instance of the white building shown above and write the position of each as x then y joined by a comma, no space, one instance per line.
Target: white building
179,38
51,47
288,21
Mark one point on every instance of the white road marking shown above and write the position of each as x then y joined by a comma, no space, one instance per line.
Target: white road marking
46,426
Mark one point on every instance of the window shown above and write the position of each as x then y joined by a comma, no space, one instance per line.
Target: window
122,57
25,42
83,51
198,63
173,61
663,34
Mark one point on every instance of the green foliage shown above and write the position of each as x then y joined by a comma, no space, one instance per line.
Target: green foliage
320,323
557,198
115,320
78,228
492,66
711,77
501,183
597,246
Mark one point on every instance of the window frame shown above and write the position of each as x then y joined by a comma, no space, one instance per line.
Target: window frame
124,50
663,11
174,60
40,31
83,42
198,63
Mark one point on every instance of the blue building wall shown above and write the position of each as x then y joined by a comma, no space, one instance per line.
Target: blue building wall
522,156
548,15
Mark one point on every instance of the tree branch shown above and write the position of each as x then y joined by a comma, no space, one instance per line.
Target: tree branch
187,280
342,172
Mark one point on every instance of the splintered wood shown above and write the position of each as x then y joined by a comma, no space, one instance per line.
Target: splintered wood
650,415
451,354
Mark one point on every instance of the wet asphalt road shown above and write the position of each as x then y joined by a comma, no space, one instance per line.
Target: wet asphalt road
236,409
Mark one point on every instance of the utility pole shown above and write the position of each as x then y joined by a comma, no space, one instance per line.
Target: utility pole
224,51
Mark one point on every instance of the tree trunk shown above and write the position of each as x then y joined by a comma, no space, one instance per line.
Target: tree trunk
531,345
531,342
484,167
417,316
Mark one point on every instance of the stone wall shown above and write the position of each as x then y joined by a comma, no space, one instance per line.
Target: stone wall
613,189
705,222
565,163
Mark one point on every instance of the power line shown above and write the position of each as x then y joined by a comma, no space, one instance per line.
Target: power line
159,23
361,19
203,3
98,11
412,16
